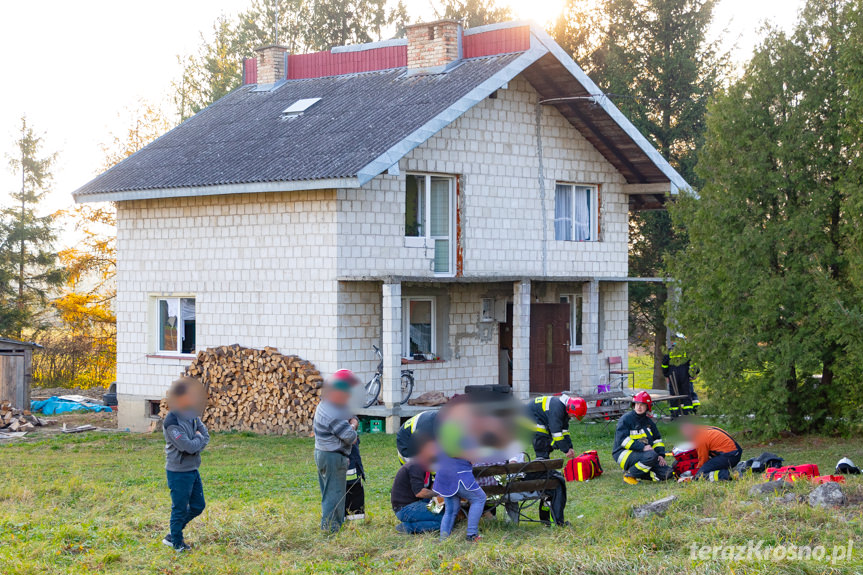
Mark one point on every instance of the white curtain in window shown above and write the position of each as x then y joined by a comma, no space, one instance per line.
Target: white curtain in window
439,223
582,202
563,212
187,307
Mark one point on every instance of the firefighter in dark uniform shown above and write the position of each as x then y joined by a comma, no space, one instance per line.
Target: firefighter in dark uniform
680,372
421,425
550,415
638,446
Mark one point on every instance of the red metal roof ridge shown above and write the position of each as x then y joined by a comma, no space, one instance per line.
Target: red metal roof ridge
388,55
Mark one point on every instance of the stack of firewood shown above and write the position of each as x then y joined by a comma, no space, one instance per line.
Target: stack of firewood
17,420
256,390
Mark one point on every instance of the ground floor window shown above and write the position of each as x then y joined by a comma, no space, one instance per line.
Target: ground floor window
418,328
576,309
175,324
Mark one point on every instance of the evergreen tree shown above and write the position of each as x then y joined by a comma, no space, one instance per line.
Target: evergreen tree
473,13
653,59
769,297
28,265
300,25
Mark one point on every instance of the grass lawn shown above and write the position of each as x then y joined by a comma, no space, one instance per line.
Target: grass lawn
98,503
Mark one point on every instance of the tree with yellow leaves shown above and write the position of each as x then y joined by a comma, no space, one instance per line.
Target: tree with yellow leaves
85,354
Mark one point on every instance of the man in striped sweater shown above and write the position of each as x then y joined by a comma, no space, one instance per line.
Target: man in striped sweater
335,434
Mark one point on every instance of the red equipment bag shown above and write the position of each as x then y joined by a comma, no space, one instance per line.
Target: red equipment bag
828,479
685,461
585,466
792,472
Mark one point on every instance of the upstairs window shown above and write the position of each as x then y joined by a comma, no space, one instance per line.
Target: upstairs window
430,217
576,213
175,325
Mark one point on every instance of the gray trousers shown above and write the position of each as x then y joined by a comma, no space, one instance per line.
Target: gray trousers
332,479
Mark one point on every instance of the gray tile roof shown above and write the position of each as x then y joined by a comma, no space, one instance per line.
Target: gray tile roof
241,139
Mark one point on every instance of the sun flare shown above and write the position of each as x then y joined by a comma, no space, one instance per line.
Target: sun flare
541,11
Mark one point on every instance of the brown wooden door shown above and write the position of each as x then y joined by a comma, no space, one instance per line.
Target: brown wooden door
549,348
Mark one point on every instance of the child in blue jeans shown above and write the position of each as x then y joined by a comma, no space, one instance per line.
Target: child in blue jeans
455,481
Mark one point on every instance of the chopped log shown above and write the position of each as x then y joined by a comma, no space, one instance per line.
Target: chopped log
257,390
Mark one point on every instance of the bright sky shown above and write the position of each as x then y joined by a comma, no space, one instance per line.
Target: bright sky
74,67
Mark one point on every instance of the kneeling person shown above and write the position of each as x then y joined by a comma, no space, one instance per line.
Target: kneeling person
550,416
421,425
638,446
718,452
411,492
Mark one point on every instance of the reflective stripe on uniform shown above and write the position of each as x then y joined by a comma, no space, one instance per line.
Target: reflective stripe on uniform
412,423
540,428
559,436
658,443
402,460
627,443
351,474
642,467
621,459
713,476
544,401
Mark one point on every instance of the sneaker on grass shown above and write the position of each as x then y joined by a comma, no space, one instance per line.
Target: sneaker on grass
168,540
182,548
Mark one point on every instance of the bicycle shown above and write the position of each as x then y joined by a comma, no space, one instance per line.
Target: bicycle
373,387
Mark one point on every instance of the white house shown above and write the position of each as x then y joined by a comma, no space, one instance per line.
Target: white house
459,198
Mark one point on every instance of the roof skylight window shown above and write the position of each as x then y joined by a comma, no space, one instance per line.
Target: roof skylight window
299,107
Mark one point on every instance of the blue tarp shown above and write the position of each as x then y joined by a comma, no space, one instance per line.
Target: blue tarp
55,405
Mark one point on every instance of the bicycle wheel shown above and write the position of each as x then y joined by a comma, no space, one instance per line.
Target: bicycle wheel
407,387
373,390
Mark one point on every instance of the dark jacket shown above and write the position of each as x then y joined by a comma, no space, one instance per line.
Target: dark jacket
549,415
634,432
421,424
355,463
183,445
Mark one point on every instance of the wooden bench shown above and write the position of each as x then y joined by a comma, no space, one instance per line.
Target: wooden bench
513,490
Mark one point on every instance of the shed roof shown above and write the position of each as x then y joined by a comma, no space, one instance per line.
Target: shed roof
6,342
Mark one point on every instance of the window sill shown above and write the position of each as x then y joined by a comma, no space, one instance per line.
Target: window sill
416,242
419,361
575,352
186,356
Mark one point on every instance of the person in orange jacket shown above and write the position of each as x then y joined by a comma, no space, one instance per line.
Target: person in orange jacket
718,452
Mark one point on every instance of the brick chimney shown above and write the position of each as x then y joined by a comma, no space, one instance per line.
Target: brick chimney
272,63
433,47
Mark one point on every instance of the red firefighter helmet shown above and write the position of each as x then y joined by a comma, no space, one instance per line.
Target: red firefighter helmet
643,397
576,407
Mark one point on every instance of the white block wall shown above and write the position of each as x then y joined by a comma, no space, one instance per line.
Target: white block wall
471,354
505,212
261,268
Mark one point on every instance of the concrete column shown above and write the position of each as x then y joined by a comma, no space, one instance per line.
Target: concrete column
590,337
521,340
391,343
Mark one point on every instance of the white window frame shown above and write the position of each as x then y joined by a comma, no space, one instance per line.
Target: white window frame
427,240
572,300
155,325
594,211
406,325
